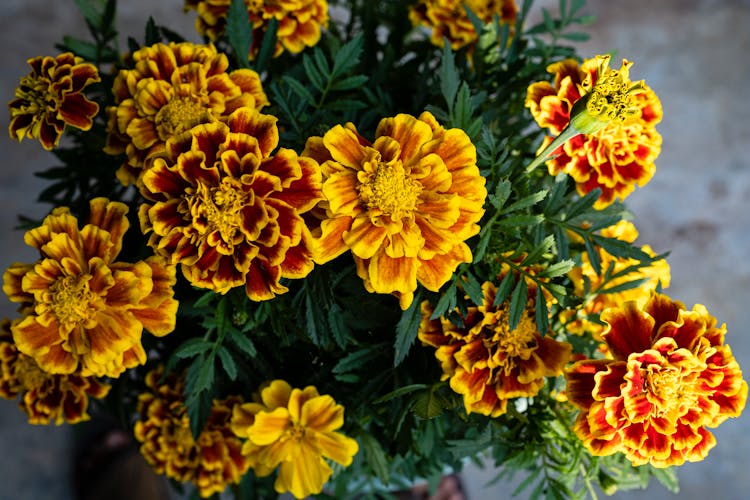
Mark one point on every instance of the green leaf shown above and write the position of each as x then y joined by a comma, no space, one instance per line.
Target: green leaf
81,48
92,10
472,288
192,347
227,362
521,220
239,32
537,252
267,45
243,343
447,301
406,330
557,269
152,32
347,57
299,89
449,79
349,83
429,404
668,478
205,299
400,392
518,301
526,201
223,316
619,248
375,457
356,359
541,314
313,73
504,289
582,204
501,195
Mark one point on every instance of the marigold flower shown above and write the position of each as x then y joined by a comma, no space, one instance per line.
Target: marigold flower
44,397
655,275
670,378
448,18
294,430
614,140
227,211
486,362
82,311
212,461
170,89
300,21
51,97
403,204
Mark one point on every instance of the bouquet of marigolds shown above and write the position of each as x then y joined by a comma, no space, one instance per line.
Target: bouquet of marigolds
339,247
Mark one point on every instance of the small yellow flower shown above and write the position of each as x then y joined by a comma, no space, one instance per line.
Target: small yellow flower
294,430
403,204
300,21
44,397
212,461
83,312
51,97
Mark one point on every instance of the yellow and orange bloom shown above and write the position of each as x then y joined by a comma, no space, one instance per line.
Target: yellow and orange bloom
654,275
403,204
299,21
670,378
485,361
51,97
170,89
212,461
295,430
44,397
448,18
228,212
82,311
614,118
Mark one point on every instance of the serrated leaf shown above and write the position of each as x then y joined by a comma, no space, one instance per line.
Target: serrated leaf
538,251
313,74
447,301
526,201
406,330
375,457
521,220
557,269
92,11
81,48
243,343
349,83
619,248
356,359
239,32
518,301
449,79
473,289
299,89
192,347
504,289
227,362
541,314
428,404
198,409
267,45
528,481
582,204
668,478
501,195
347,57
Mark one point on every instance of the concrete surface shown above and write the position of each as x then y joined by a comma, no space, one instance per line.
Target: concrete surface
693,53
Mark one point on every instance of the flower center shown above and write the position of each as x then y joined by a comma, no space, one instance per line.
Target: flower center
178,115
219,209
669,389
295,432
71,299
389,191
35,92
508,347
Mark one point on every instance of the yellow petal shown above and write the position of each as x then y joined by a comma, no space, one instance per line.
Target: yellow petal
268,427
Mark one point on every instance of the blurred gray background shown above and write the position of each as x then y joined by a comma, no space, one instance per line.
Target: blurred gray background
693,53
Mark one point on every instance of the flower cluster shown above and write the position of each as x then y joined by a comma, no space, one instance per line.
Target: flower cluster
293,430
299,21
615,118
82,311
670,377
211,461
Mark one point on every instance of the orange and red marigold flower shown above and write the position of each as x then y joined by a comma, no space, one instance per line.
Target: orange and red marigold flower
448,18
294,430
485,361
51,97
170,89
44,397
299,21
210,462
83,312
619,151
227,211
403,204
670,377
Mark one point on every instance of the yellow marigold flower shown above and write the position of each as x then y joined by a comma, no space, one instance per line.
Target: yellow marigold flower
294,430
486,362
670,378
170,89
82,311
227,211
654,275
604,123
448,18
44,397
403,204
212,461
51,97
300,21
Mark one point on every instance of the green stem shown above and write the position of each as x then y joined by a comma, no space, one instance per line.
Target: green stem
568,133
